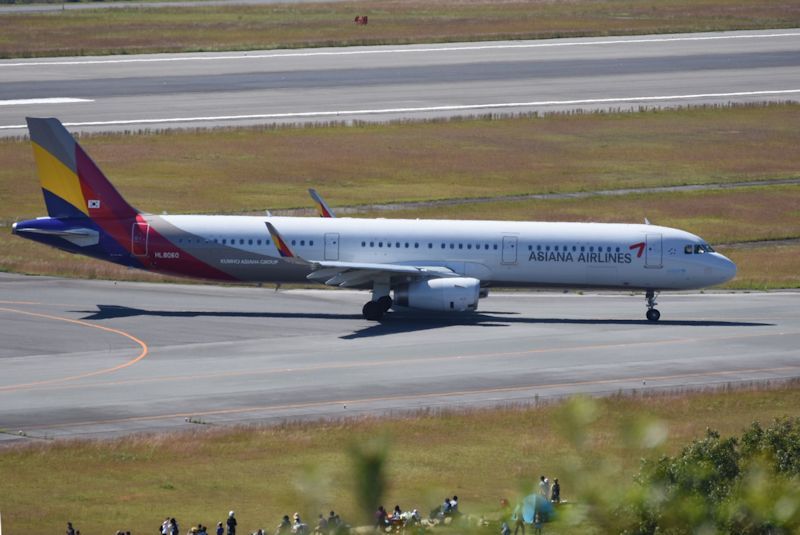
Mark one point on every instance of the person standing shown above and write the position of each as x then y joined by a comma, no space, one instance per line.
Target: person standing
231,523
544,487
70,529
555,497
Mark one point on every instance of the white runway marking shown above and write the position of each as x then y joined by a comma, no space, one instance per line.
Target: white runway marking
24,101
465,107
409,50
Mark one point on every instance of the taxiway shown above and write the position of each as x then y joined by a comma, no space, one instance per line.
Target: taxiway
99,358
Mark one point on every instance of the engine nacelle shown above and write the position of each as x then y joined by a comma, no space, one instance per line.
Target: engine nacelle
458,294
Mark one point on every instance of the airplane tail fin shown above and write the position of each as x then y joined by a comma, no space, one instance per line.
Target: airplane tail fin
72,184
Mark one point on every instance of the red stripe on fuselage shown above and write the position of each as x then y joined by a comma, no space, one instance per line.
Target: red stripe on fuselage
164,256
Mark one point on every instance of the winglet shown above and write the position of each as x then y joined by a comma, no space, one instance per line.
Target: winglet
322,207
282,247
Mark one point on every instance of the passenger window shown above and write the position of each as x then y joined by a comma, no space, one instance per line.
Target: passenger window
486,246
397,244
495,247
372,244
311,242
388,244
302,242
363,244
460,245
406,245
452,245
380,244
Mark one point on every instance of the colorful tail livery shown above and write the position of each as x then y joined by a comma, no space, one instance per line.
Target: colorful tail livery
435,265
73,186
87,214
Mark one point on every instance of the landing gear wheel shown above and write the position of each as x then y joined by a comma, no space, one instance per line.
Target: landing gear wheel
385,303
373,311
652,313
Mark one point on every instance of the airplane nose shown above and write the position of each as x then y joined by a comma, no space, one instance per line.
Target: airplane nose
725,268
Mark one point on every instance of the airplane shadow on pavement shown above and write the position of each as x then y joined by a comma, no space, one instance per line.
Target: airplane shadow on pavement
401,321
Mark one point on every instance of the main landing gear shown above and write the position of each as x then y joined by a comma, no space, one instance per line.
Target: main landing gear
374,310
652,313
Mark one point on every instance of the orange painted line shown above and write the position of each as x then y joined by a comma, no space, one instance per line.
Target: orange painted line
522,388
419,360
140,356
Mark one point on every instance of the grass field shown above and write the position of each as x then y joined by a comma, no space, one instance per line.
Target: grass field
264,473
127,31
249,170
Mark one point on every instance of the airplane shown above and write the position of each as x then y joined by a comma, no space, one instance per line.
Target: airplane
433,265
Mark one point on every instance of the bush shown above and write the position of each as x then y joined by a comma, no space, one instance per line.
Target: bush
749,485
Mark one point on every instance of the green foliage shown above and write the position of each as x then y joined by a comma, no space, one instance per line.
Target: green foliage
747,485
369,470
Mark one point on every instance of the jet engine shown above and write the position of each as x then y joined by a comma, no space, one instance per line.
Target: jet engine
456,294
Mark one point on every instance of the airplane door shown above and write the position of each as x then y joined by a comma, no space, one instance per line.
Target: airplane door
509,249
652,257
140,234
332,246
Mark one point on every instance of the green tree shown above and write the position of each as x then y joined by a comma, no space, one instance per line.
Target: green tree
742,486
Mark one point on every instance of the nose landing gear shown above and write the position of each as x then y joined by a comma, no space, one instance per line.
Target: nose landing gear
652,313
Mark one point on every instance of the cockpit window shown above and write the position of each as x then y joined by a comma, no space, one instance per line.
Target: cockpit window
702,248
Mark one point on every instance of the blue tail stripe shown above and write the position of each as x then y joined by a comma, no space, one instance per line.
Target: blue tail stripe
58,207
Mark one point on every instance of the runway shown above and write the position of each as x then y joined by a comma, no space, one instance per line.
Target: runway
99,358
400,82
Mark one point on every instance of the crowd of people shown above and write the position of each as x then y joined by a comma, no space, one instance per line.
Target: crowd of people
332,524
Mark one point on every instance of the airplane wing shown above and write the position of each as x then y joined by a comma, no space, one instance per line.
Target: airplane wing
353,274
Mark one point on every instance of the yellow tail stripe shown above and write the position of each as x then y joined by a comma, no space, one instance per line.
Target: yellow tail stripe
59,179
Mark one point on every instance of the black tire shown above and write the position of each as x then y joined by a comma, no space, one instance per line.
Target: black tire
385,303
372,311
653,314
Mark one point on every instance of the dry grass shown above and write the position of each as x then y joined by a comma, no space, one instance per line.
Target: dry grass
247,170
225,171
719,215
390,21
264,473
763,268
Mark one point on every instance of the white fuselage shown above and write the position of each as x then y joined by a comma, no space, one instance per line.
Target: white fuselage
498,253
